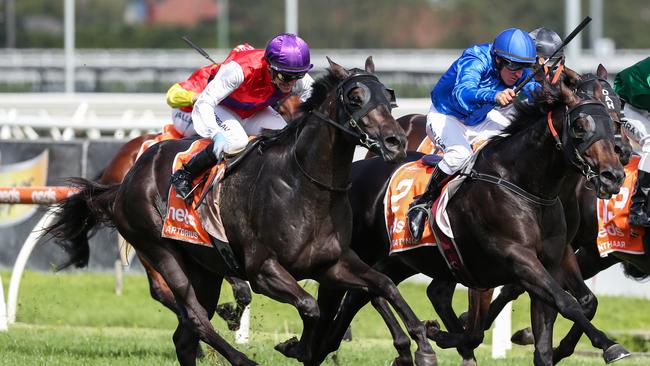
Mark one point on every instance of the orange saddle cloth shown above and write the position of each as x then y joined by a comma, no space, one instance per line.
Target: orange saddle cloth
409,181
615,234
168,133
182,221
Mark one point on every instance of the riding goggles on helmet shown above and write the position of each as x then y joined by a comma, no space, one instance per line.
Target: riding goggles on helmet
288,77
515,66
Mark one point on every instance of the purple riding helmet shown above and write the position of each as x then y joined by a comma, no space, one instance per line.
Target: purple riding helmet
288,53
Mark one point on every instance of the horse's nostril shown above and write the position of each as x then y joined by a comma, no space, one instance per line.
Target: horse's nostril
392,141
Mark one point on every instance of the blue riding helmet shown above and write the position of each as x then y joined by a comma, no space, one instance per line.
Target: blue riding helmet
515,45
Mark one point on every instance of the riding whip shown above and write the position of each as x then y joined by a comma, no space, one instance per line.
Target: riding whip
198,49
566,41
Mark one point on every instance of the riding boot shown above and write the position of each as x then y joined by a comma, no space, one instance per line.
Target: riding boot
418,211
182,178
639,215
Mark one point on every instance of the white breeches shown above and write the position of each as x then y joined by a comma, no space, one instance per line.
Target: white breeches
637,129
236,130
456,138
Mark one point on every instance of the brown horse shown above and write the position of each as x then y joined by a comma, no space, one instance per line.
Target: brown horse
441,292
116,170
508,236
285,211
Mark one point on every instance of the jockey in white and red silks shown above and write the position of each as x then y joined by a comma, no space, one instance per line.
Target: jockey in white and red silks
237,102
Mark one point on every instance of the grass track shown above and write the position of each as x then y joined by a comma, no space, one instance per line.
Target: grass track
76,319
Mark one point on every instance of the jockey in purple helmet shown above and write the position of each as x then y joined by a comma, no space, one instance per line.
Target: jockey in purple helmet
237,102
483,77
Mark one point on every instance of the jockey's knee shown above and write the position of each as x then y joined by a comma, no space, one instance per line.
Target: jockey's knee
454,158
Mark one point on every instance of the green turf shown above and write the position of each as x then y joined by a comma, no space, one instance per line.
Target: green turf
76,319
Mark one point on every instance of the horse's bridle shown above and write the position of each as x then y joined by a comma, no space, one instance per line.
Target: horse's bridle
569,145
352,129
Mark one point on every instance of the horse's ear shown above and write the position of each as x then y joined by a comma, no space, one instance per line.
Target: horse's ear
601,71
370,65
339,71
569,98
571,78
598,90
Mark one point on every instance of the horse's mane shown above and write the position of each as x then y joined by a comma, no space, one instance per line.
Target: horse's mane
320,89
530,113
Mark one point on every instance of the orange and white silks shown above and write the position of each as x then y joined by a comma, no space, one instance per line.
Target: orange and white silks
615,234
408,181
182,221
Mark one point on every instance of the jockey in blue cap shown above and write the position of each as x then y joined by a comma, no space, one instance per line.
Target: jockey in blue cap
483,77
237,102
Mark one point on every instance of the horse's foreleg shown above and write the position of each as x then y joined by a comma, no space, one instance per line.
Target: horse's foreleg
508,293
574,282
538,282
351,272
542,319
274,281
196,304
232,313
401,341
329,302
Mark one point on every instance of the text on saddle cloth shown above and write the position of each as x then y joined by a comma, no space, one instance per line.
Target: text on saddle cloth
182,221
406,183
615,234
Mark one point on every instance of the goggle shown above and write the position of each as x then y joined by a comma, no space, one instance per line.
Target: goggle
288,77
515,66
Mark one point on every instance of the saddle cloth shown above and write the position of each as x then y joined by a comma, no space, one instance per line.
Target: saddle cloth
407,182
168,133
615,234
182,221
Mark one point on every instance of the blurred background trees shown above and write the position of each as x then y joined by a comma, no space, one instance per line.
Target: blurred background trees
323,23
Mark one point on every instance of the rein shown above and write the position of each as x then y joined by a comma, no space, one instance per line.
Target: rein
474,175
353,129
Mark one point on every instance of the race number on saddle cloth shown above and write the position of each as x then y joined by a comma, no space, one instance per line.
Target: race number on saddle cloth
168,133
615,234
183,221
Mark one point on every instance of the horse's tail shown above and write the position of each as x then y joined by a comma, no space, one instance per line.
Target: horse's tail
631,271
80,214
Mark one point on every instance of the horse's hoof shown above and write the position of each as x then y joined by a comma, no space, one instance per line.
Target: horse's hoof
402,362
347,337
523,337
425,359
432,328
228,312
614,353
470,362
288,348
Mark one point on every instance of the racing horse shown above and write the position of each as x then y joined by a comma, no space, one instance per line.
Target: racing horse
285,211
114,172
465,337
513,232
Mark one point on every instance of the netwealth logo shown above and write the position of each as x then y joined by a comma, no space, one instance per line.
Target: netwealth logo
181,215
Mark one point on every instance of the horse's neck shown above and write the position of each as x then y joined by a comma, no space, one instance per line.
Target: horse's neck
530,160
325,152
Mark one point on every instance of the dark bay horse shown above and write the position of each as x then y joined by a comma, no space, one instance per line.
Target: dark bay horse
441,292
503,236
285,210
114,172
